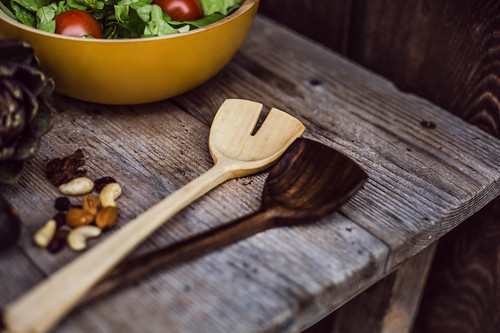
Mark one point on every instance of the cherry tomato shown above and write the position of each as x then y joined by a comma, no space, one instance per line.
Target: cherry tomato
77,23
181,10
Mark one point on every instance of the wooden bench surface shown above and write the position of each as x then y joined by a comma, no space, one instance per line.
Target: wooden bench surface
422,183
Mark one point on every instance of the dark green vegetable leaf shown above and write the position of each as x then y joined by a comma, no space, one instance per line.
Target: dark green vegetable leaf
6,9
32,5
23,15
118,18
45,15
91,4
49,27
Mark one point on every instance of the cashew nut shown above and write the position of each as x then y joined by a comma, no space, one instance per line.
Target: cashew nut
43,236
77,238
77,186
109,194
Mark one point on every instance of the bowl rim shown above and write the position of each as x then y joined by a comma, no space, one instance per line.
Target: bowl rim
244,7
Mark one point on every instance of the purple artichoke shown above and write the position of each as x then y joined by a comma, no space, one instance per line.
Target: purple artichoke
25,114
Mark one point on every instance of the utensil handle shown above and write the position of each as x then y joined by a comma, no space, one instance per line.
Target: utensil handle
42,307
183,250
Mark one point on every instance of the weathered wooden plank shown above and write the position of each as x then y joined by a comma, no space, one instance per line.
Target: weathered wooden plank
463,47
282,279
17,274
257,285
407,292
149,166
408,42
388,306
391,305
423,181
445,51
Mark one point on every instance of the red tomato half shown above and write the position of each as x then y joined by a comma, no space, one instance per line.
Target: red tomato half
77,23
181,10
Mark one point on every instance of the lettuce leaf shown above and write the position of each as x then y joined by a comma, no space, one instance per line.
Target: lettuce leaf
7,10
45,18
223,7
118,18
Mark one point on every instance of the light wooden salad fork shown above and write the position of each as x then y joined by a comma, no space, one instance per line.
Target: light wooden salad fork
236,153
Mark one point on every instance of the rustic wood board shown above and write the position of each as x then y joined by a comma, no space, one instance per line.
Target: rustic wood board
440,176
390,305
423,182
444,51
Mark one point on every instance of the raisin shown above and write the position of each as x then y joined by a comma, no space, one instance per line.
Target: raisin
101,182
58,242
60,219
62,204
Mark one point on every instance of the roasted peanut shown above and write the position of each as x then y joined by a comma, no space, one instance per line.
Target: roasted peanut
77,186
77,217
109,194
43,236
106,218
77,238
91,203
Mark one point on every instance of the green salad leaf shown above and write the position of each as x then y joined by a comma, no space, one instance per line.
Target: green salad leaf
23,15
87,4
198,23
118,18
45,18
223,7
6,9
152,15
32,5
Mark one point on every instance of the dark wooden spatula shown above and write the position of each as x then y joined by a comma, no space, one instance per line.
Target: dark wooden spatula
309,182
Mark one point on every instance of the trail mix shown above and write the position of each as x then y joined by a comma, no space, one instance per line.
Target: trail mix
73,224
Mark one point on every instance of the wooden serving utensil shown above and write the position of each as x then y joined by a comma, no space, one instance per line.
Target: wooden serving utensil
309,182
236,153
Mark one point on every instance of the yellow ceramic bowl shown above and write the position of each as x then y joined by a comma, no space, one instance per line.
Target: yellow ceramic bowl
134,71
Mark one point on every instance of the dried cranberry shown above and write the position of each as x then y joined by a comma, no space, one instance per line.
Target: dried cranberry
60,219
58,242
62,204
101,182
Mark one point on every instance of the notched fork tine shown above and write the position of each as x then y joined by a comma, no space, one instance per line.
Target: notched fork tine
231,132
280,128
236,118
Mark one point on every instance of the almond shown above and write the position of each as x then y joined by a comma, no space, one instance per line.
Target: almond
91,204
106,217
77,217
